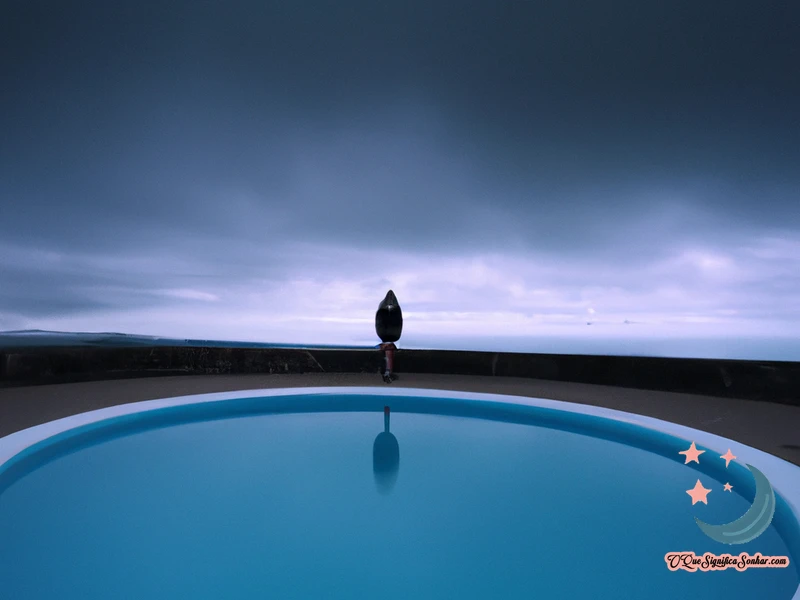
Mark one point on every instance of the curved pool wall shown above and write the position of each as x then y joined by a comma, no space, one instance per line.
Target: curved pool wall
24,451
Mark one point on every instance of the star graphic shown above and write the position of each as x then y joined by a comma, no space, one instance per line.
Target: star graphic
728,487
692,454
728,456
698,493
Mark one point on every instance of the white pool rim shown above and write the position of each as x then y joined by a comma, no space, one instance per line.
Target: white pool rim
784,476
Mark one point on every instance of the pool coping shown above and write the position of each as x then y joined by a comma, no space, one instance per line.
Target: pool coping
785,476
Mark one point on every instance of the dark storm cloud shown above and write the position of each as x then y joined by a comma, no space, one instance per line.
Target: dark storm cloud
45,285
213,136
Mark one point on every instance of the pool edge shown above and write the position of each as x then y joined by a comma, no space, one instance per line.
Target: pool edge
782,474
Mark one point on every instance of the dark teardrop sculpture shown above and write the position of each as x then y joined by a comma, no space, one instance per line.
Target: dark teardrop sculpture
389,319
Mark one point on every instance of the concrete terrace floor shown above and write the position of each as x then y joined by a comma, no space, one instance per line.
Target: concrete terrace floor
773,428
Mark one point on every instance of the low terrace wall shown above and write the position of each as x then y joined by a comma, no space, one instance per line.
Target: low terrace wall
755,380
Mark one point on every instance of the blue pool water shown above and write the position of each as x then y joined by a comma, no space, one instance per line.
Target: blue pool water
252,502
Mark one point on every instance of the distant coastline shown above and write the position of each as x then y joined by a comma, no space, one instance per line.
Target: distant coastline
733,348
36,338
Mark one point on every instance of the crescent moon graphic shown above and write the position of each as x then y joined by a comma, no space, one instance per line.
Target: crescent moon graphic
752,523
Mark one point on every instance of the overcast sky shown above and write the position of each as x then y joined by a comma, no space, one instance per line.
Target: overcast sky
267,170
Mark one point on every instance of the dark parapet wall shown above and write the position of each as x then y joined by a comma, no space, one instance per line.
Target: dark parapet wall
51,365
754,380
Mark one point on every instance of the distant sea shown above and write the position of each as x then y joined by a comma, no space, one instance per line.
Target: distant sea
737,348
35,338
734,348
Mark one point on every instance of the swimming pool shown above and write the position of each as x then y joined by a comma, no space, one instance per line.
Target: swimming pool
316,492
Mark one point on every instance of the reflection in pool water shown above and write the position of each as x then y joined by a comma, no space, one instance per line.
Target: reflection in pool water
385,456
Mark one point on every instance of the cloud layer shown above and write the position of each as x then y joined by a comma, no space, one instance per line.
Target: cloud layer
266,170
